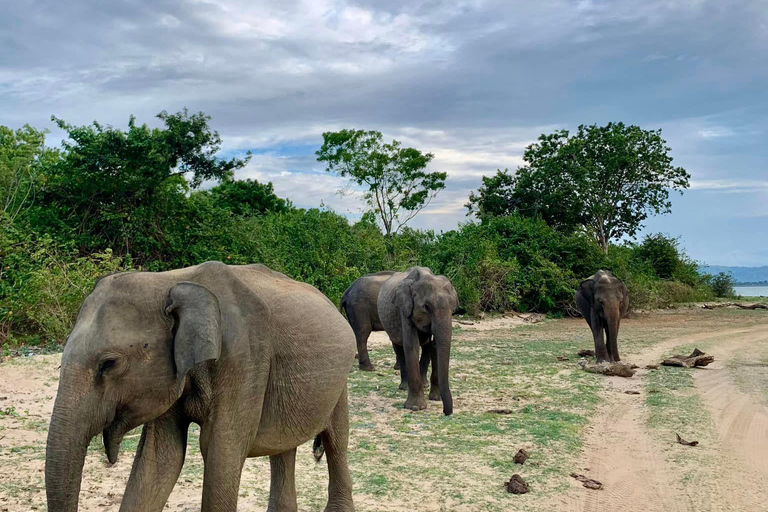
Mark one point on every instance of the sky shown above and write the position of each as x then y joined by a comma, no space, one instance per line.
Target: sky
472,81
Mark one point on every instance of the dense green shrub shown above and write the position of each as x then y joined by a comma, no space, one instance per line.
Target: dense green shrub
722,285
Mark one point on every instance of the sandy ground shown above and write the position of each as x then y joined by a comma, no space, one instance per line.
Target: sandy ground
638,469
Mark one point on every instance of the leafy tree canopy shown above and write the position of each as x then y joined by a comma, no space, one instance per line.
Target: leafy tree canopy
117,189
22,154
247,197
397,185
604,179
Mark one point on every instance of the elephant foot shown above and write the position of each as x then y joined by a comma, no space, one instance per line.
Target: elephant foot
434,393
366,367
416,403
403,385
397,366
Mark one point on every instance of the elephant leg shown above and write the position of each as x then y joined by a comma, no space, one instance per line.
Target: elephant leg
434,386
224,455
335,440
364,360
157,464
282,491
415,400
400,356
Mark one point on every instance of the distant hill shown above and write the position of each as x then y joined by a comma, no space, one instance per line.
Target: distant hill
740,274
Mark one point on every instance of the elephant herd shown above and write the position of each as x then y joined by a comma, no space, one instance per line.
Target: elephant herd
259,361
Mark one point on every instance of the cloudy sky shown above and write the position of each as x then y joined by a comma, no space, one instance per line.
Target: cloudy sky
471,81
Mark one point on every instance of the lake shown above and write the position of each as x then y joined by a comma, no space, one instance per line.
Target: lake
751,291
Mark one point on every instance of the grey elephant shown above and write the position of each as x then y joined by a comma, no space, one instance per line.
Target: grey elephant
258,360
359,302
603,300
415,308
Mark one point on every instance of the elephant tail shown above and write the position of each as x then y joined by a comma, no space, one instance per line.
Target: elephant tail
317,448
343,305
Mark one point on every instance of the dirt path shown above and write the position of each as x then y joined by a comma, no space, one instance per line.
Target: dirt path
622,453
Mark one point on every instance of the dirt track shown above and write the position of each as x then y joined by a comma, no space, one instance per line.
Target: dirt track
631,462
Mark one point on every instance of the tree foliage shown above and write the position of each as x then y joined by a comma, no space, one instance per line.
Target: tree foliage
605,180
120,189
495,198
397,185
22,155
247,197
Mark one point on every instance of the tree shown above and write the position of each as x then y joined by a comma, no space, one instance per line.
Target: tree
22,153
397,186
495,198
605,180
247,197
124,189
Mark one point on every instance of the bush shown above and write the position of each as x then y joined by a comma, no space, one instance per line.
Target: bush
722,285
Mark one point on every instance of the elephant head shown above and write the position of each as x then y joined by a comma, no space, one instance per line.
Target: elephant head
428,301
603,301
125,363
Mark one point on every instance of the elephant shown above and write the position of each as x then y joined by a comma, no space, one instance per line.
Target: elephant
360,304
415,308
603,300
258,360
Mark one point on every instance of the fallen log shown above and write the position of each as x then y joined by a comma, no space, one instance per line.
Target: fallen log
586,353
697,358
609,369
735,305
589,483
682,441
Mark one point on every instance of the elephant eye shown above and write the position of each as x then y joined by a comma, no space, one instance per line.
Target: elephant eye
106,365
426,306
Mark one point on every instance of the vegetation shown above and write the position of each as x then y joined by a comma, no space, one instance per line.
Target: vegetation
398,187
111,200
604,180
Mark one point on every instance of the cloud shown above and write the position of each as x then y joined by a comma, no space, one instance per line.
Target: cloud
473,81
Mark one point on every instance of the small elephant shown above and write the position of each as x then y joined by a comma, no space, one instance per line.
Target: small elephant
258,360
415,308
603,300
360,303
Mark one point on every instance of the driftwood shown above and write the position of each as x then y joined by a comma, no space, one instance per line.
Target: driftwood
609,369
697,358
516,485
735,305
631,392
521,456
680,440
586,353
462,322
589,483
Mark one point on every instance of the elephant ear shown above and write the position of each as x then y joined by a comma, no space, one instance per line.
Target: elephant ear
196,325
624,299
585,297
403,298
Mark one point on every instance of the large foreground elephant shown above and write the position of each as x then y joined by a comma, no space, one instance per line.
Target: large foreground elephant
603,300
415,308
360,303
258,360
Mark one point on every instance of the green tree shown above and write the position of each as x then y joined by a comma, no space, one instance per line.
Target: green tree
123,189
247,197
495,198
22,154
605,180
397,185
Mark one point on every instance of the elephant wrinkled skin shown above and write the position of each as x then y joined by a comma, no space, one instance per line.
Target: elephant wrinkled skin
258,360
415,308
603,300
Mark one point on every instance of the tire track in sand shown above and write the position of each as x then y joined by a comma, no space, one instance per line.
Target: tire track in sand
621,453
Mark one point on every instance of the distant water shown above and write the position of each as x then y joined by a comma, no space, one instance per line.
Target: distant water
751,291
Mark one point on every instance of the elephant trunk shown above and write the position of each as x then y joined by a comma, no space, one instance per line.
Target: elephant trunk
612,331
68,440
442,330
